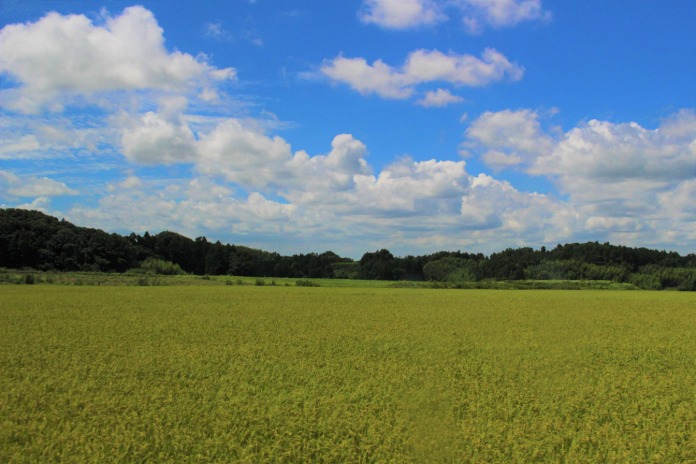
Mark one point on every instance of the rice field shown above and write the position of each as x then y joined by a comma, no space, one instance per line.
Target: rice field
295,374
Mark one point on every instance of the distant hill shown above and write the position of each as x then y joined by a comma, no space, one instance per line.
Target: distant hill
31,239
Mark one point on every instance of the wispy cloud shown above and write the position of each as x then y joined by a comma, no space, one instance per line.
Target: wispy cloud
439,98
476,15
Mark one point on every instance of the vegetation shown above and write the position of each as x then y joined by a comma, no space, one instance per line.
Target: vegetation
32,240
159,266
293,374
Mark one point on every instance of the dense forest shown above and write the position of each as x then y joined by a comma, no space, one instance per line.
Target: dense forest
33,240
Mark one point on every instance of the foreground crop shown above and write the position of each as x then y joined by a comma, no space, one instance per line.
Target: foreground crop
291,374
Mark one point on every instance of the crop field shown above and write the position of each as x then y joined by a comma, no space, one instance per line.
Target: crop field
295,374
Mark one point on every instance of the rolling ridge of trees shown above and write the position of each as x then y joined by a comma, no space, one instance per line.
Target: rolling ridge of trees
31,239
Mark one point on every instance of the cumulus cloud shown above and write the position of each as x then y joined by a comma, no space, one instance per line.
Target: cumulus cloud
603,152
476,15
439,98
421,66
496,204
153,139
623,180
242,154
410,188
597,152
428,204
509,137
319,178
640,193
63,55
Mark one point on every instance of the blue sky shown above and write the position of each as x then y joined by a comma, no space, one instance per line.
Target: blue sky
299,126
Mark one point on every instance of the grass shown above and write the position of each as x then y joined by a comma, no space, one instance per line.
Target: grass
248,373
12,276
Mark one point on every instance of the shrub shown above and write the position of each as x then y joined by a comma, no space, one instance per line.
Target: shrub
688,284
160,266
646,281
306,283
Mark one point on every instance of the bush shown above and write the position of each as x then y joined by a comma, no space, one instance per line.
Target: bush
147,282
646,281
160,266
306,283
29,279
688,284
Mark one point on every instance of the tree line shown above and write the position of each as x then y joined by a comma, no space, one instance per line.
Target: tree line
31,239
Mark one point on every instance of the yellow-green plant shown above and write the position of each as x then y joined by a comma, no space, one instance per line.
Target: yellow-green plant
296,374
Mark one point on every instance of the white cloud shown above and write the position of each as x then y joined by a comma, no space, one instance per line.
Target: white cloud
377,77
420,188
680,125
509,137
18,148
679,202
25,137
42,204
60,56
599,158
242,154
407,202
468,70
329,198
27,186
476,15
217,31
439,98
421,66
495,204
602,152
621,181
155,139
625,182
336,200
318,179
187,209
401,14
500,160
131,182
